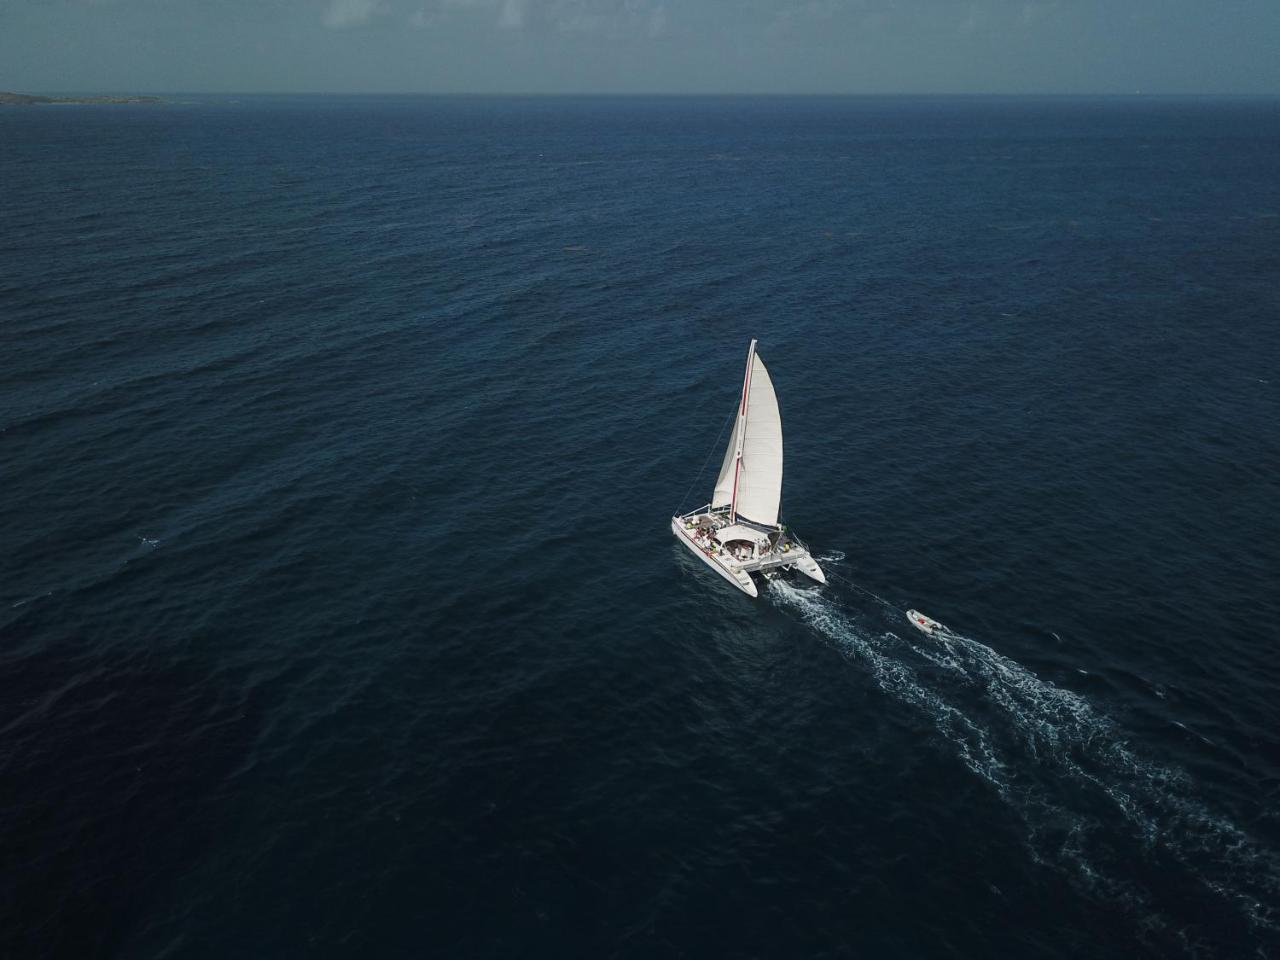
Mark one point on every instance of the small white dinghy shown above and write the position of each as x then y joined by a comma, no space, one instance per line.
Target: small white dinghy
737,533
925,624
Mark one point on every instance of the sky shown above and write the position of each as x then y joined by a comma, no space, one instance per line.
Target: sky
641,46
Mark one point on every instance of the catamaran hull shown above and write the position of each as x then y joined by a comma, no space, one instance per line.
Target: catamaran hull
809,567
739,578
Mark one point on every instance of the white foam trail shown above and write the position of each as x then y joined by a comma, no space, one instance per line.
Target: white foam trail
38,596
1047,751
1063,729
900,681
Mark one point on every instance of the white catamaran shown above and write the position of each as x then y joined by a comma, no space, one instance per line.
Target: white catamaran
738,533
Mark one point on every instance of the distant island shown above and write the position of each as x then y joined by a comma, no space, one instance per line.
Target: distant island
26,99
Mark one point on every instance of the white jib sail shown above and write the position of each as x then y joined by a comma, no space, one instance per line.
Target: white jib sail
724,483
753,482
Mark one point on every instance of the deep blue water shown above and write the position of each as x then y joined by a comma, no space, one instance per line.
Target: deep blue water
339,611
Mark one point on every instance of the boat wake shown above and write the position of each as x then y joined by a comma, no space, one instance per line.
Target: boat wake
1088,804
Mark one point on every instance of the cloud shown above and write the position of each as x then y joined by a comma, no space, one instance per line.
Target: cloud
658,21
974,19
609,18
1033,13
350,13
643,19
512,16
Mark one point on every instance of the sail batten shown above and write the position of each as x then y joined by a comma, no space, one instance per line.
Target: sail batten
753,460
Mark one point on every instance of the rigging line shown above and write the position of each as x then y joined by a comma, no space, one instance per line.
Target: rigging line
862,589
715,446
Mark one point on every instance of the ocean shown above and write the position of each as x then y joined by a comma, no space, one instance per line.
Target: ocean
340,613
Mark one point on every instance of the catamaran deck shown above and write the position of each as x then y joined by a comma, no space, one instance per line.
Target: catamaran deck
786,551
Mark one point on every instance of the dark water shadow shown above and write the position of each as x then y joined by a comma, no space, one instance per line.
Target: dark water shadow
112,778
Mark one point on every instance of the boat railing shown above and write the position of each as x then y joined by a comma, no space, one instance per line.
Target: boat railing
790,538
706,508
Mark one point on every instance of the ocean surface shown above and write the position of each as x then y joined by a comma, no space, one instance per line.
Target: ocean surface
339,610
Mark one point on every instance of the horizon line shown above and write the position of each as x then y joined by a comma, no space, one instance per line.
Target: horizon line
1184,94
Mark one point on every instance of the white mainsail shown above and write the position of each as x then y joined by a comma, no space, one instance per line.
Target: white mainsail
750,480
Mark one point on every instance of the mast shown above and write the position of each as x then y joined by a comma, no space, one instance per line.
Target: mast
741,432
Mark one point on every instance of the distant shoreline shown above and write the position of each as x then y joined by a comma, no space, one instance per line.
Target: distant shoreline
28,99
190,96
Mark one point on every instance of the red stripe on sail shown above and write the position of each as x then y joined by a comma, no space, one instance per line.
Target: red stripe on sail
737,467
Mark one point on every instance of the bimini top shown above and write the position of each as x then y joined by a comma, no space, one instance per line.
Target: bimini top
738,531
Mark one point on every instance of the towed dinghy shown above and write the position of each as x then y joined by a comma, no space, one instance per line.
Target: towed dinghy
925,624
